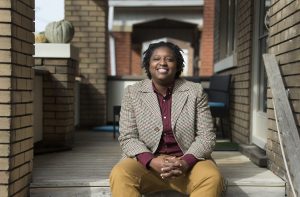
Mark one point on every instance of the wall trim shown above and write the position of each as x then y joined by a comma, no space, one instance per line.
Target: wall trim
226,63
56,50
150,3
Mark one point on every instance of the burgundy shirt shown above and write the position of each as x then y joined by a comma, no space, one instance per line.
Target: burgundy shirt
168,144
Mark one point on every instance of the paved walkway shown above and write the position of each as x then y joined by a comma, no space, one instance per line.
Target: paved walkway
84,171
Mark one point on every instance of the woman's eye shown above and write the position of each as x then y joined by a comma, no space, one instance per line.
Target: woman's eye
170,59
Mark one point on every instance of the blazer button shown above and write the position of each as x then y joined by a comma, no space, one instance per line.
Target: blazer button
156,129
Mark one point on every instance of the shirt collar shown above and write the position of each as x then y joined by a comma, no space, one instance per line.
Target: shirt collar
169,89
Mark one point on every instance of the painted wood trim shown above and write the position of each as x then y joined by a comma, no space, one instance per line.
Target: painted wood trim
226,63
149,3
285,119
56,50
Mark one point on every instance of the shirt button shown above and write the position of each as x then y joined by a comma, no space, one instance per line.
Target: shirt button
165,117
164,100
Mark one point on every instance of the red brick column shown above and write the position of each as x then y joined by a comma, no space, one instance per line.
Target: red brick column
16,61
136,60
123,53
207,39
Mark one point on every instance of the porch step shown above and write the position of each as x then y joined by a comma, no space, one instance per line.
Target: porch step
102,190
255,154
71,192
243,179
252,191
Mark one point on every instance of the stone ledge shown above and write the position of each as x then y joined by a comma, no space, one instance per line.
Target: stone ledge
56,50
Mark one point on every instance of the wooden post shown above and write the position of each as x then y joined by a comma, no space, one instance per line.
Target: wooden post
285,120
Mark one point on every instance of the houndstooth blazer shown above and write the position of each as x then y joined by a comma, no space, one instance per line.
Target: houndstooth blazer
141,122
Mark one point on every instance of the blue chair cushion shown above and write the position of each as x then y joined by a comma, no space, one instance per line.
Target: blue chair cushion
216,104
105,128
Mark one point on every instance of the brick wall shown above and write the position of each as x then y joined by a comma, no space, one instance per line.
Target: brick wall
136,60
89,18
240,108
241,75
123,53
284,42
128,55
58,101
207,39
16,133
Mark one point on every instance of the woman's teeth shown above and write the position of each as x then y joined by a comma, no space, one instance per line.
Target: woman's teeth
162,70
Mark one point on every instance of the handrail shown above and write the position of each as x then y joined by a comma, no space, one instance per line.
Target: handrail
287,129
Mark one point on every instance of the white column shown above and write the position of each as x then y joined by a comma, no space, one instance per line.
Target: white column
111,41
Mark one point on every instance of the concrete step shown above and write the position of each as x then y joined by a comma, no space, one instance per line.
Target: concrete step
255,154
243,179
70,192
101,189
254,191
232,191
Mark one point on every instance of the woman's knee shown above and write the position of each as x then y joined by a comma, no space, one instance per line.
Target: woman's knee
215,176
207,172
124,178
116,172
126,168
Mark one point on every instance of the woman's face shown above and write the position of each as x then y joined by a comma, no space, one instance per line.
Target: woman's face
163,66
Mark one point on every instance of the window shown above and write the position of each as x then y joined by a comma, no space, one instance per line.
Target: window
262,47
227,28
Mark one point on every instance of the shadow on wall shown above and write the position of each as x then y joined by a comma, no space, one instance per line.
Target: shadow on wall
57,108
92,103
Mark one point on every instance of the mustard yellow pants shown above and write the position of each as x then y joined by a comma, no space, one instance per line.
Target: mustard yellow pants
130,179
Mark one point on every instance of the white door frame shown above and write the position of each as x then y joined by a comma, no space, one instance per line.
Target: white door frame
259,118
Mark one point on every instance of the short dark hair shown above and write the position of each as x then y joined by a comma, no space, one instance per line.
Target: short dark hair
176,50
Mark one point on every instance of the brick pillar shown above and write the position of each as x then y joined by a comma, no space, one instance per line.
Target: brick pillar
89,18
123,53
207,39
16,133
136,60
58,99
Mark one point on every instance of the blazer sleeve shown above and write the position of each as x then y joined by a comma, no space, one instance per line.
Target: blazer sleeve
205,137
129,136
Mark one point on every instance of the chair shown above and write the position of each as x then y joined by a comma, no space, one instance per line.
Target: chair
218,97
195,79
116,116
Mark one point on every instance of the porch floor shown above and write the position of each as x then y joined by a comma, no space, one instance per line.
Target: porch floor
84,171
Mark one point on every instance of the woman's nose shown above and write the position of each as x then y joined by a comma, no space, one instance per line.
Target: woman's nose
163,61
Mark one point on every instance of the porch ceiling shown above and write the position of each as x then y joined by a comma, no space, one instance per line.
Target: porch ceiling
160,28
154,3
165,23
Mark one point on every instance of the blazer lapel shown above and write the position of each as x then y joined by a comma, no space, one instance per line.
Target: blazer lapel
179,99
149,98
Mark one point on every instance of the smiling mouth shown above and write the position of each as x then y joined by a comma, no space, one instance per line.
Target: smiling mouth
162,70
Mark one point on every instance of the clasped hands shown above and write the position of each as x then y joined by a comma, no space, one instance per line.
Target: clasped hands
169,166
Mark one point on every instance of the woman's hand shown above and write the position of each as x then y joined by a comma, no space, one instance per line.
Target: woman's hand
169,166
173,167
157,164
